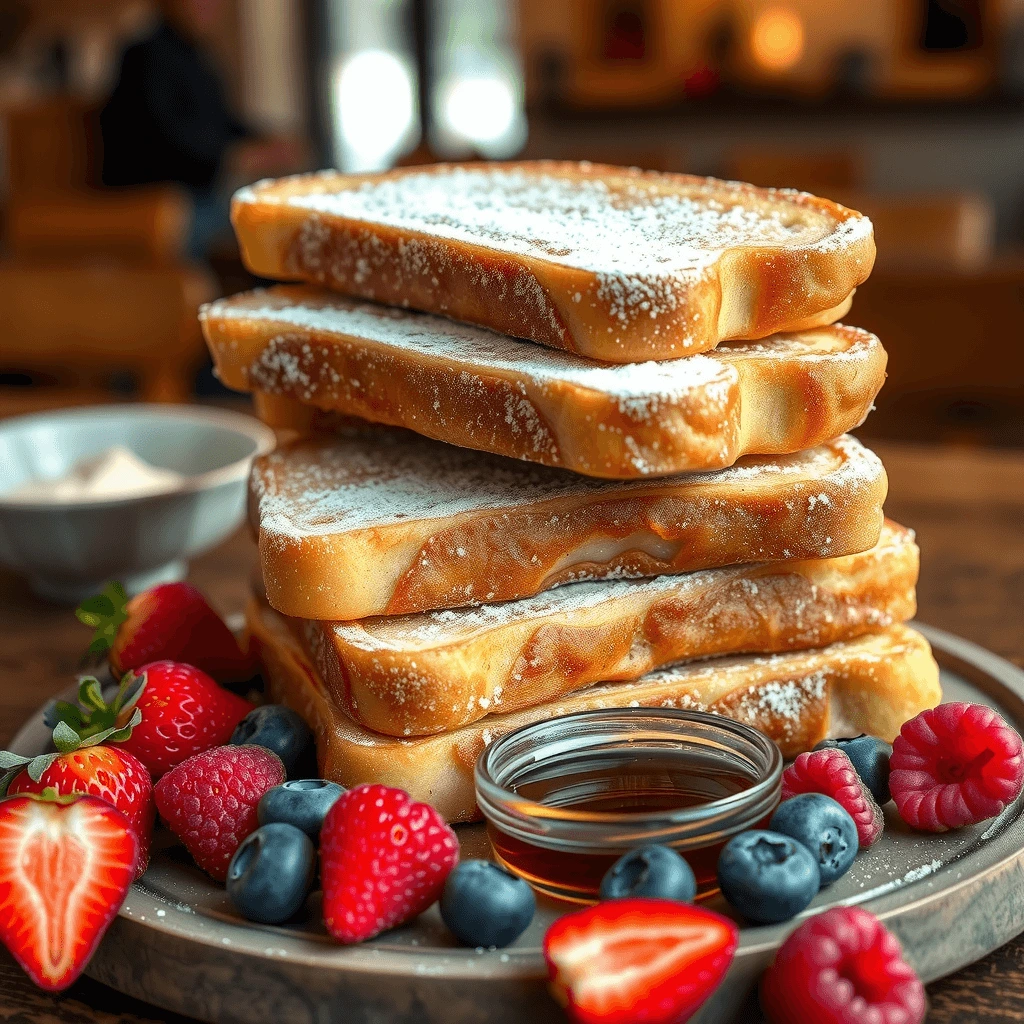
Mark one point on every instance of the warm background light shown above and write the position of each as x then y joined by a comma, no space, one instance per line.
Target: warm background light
375,106
777,39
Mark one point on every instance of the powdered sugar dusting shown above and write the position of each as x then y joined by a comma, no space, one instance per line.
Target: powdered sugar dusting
637,387
640,236
430,629
376,478
620,226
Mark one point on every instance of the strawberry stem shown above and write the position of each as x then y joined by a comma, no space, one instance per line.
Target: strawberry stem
104,612
75,727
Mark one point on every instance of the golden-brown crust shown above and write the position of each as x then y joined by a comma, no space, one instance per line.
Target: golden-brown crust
496,529
736,288
428,673
871,684
472,388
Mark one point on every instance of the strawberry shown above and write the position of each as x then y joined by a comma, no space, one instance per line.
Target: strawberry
209,801
633,960
65,868
172,622
183,712
383,861
87,765
112,775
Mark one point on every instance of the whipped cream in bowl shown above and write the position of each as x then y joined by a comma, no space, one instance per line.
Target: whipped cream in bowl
116,472
126,493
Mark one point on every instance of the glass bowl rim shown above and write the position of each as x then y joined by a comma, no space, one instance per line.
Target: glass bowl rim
491,792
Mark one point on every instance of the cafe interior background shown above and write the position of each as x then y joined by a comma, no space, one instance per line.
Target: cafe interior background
909,110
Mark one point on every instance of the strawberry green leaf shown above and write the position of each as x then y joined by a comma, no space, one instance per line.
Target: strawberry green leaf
94,610
97,721
100,644
105,613
38,765
119,735
115,734
129,692
9,760
65,739
64,711
90,695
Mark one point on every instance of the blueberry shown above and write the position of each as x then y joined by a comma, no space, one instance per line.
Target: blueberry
303,803
766,876
271,873
824,827
654,872
278,729
485,905
870,757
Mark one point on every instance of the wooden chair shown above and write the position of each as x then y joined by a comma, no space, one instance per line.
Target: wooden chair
822,173
55,212
956,365
49,147
94,282
87,323
146,226
955,231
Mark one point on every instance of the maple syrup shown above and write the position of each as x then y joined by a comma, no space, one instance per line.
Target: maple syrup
564,799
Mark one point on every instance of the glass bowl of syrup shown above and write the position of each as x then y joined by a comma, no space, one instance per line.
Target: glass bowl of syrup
565,798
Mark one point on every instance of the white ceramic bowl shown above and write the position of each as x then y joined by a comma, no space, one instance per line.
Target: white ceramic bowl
69,550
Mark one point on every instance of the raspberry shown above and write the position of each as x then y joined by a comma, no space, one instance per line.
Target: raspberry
209,801
955,765
831,772
841,967
383,860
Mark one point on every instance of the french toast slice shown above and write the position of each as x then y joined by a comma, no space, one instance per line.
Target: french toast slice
613,263
471,387
412,675
872,684
384,522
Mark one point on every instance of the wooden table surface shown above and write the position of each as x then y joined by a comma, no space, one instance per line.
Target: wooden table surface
967,507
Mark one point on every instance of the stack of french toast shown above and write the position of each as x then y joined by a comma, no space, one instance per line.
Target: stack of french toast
561,437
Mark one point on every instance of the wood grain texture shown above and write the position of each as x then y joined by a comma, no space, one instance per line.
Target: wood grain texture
966,505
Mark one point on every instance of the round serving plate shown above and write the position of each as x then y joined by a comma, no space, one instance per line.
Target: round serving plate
179,944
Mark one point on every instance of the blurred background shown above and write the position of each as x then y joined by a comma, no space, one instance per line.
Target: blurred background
126,124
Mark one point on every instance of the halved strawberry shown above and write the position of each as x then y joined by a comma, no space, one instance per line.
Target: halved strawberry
632,961
171,622
115,776
65,869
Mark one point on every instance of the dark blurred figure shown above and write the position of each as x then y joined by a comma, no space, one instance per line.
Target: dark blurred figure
168,120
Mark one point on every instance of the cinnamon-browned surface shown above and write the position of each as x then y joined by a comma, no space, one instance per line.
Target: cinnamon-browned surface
386,523
310,355
874,683
430,673
535,249
967,507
